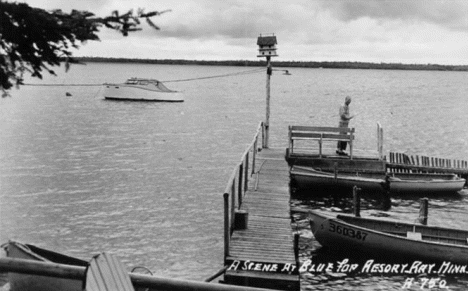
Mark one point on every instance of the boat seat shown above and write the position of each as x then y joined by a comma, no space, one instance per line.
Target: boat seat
414,235
106,273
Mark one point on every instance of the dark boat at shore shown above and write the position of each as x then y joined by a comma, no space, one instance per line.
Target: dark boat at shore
26,282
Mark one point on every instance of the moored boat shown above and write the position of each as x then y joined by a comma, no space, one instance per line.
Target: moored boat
425,183
304,178
139,89
396,183
389,240
25,282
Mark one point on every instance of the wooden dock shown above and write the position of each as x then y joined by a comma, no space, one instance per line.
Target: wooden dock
263,254
259,241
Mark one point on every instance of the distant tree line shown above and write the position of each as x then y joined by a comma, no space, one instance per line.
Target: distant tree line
291,64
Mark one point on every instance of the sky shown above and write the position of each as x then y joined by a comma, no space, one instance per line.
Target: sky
389,31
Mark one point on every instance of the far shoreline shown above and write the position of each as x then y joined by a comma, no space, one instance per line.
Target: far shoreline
281,64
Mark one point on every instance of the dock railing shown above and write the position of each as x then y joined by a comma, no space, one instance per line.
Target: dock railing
238,184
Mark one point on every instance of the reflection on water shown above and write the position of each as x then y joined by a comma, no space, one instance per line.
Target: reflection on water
83,175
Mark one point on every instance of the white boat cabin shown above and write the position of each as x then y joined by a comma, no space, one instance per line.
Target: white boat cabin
148,82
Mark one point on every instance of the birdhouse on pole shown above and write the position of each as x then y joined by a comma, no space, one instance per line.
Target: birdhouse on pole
267,46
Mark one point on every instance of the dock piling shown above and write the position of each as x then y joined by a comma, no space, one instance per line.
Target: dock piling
296,247
240,188
226,225
357,201
423,210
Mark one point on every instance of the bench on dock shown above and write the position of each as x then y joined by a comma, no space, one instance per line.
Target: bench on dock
321,134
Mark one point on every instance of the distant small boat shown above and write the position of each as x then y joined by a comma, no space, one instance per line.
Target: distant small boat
25,282
139,89
389,240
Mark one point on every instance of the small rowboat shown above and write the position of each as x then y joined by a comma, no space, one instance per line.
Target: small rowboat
309,178
25,282
389,240
425,183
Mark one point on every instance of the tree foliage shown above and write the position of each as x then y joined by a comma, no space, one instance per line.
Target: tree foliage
35,40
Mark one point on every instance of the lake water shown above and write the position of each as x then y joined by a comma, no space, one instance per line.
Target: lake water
82,175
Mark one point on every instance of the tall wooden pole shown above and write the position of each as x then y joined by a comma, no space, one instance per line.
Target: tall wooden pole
267,117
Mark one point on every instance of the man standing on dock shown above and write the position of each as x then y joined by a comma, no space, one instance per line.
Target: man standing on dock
345,117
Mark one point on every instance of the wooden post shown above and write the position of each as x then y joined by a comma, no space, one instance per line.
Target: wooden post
387,203
240,185
296,246
232,206
320,145
254,155
267,116
380,140
357,201
335,193
423,210
390,156
263,135
381,143
246,172
226,225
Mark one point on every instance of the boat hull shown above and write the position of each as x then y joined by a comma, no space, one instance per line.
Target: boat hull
25,282
426,186
139,93
393,243
306,178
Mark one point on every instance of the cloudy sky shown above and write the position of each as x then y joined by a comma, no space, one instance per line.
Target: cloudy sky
393,31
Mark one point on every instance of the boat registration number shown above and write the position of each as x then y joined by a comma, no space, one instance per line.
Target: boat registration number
356,234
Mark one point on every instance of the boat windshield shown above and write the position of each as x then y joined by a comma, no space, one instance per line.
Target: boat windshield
131,82
151,82
162,87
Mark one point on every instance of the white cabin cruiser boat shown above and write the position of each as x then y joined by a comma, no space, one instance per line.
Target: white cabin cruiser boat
139,89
